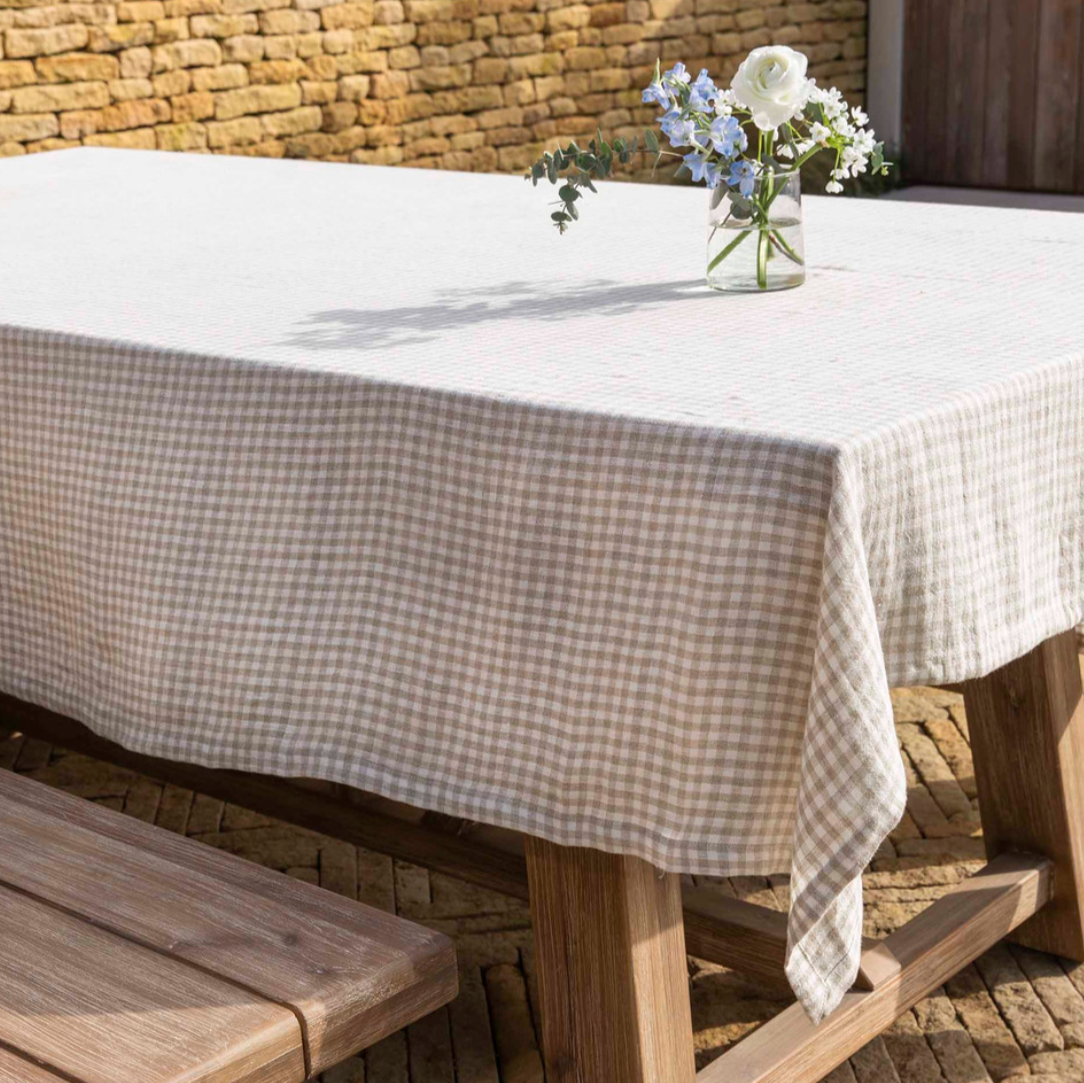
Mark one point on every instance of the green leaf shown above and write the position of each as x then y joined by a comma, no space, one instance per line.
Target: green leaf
559,216
651,141
552,170
568,194
742,207
571,208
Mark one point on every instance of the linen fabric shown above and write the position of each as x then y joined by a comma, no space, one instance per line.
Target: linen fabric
368,475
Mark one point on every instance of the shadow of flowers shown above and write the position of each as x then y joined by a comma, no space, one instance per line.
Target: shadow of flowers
456,309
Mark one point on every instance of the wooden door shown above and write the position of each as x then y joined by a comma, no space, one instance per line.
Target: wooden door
994,93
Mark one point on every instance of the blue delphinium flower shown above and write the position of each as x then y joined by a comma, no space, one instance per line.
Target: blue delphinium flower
727,136
677,74
742,175
697,164
677,128
702,168
656,92
702,93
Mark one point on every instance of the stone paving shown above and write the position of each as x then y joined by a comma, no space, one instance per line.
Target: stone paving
1012,1013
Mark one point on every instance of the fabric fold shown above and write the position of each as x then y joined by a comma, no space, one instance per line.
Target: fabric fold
853,790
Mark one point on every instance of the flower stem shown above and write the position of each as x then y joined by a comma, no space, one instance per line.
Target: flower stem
764,242
777,240
762,259
729,248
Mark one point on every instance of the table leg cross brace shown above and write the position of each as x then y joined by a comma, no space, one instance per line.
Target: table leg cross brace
927,951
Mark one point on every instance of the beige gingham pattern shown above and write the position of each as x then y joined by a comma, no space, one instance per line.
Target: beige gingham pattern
528,529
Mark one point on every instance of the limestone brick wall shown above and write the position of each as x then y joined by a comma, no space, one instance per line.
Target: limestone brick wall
456,84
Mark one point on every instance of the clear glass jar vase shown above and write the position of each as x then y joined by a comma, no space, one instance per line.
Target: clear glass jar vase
755,241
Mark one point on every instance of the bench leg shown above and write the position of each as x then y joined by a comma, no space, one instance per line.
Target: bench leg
612,973
1027,736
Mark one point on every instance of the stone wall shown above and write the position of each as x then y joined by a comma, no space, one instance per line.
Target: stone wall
456,84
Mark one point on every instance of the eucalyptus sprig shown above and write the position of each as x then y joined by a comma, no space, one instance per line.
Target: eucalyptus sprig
578,168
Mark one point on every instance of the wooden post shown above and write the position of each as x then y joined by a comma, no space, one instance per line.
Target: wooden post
612,973
1027,734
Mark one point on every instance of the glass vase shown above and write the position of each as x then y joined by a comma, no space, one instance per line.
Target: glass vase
755,241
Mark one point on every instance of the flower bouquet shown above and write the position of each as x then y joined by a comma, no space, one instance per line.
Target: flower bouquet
747,144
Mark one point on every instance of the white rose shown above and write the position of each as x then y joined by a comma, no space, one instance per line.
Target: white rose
771,84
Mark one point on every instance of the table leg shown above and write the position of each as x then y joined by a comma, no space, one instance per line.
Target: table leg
612,973
1027,734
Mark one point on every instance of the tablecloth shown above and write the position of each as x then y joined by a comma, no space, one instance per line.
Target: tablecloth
368,475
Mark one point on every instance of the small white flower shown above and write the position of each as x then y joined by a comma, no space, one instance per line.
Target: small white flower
842,126
819,133
864,142
861,118
805,146
785,151
853,161
724,103
833,188
831,101
771,83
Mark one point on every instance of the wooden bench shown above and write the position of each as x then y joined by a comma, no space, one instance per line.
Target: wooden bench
132,955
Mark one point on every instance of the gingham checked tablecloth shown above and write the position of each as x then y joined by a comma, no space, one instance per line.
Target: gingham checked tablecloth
366,474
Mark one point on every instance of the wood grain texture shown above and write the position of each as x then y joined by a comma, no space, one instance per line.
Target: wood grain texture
730,932
915,87
1078,142
969,30
1023,69
936,69
750,939
325,807
613,981
994,93
1060,82
102,1009
16,1069
1027,734
931,948
753,939
351,972
999,106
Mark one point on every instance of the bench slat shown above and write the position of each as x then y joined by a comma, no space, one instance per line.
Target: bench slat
102,1009
14,1069
352,973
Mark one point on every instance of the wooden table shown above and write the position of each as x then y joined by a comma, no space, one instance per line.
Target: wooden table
440,505
612,932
